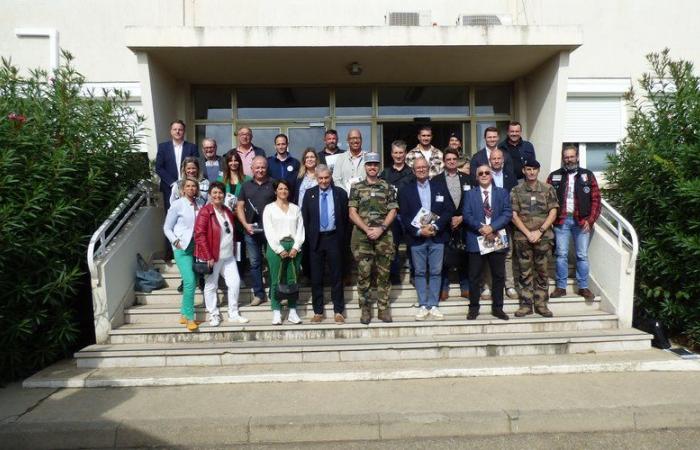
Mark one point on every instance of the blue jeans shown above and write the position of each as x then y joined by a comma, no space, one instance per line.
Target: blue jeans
255,248
427,263
581,241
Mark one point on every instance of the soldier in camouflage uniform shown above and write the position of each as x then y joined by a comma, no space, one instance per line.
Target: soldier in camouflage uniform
373,206
534,211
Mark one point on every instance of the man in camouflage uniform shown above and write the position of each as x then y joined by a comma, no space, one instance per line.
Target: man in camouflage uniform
534,211
373,206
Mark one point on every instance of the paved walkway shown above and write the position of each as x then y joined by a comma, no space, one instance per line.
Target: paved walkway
229,414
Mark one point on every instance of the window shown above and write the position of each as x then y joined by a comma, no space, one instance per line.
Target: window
212,104
220,133
423,101
283,103
353,101
596,154
492,100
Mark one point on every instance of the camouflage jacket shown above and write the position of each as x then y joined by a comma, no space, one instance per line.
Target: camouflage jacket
373,201
437,165
533,206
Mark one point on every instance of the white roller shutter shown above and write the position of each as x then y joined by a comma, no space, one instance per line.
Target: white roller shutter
594,119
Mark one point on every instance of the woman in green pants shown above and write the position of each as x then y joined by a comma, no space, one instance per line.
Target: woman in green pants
179,229
284,231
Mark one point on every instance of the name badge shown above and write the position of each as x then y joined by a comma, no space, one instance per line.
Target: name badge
439,198
584,177
556,177
466,187
533,200
290,168
586,189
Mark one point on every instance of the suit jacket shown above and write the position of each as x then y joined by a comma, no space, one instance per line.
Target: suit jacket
464,180
473,212
166,166
480,158
311,213
440,204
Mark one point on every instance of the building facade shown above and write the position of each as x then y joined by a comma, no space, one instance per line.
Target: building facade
560,67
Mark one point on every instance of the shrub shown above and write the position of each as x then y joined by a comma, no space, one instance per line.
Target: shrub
67,157
655,183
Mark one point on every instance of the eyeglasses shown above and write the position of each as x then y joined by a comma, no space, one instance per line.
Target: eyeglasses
226,227
481,174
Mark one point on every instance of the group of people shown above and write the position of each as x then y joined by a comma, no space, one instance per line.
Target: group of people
307,216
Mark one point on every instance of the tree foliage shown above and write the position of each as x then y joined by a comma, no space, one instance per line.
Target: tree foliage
655,183
67,157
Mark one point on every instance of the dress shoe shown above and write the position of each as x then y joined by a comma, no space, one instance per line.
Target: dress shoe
192,325
543,311
512,293
366,316
339,319
465,294
317,318
444,295
384,315
472,314
586,293
524,310
558,292
499,314
257,301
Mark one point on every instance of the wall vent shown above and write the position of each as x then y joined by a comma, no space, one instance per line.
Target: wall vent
403,19
480,20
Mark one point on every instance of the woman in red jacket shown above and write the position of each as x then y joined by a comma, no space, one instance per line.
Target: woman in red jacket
214,243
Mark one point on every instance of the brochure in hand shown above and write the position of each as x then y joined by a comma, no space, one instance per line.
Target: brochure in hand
424,217
499,243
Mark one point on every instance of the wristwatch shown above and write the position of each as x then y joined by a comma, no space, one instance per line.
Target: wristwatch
542,230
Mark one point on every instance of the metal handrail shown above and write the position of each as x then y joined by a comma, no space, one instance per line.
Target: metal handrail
104,234
622,229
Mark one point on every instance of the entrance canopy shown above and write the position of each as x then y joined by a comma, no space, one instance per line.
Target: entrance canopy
324,55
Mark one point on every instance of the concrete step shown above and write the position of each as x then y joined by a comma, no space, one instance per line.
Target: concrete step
453,325
170,312
418,347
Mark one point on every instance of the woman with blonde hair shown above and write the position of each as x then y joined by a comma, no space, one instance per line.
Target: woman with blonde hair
189,169
307,175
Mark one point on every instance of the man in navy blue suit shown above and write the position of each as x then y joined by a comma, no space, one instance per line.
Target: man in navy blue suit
487,210
426,235
325,213
491,136
169,157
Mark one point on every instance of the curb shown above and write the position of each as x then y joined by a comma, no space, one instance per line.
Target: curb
345,428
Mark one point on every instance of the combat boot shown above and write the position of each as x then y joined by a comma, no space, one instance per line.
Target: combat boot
524,310
384,315
366,308
542,310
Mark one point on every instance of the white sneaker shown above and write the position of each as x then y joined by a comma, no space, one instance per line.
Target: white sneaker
276,317
436,314
237,318
215,320
423,313
293,317
486,294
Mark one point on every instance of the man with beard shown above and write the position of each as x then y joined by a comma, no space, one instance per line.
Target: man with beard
425,149
579,197
517,148
330,148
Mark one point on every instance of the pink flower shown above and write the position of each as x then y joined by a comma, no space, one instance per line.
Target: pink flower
18,119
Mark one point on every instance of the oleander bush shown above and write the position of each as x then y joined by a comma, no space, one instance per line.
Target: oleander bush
655,183
67,158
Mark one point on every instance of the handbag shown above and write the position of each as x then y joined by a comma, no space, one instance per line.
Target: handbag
287,290
202,267
147,277
455,251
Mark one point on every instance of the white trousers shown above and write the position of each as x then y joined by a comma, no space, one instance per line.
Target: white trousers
229,270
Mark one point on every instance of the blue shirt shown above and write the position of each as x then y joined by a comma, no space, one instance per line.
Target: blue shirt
424,195
331,208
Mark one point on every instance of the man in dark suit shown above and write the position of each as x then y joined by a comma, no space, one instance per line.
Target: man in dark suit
169,157
491,136
487,211
426,236
325,214
458,184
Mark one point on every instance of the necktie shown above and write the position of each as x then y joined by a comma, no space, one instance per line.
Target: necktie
324,210
487,206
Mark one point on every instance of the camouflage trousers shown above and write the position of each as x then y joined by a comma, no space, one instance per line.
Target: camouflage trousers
373,255
532,260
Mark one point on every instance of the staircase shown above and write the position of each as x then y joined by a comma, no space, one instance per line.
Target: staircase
152,337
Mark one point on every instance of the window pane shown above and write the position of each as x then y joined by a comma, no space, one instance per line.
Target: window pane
212,104
502,126
492,100
365,129
353,101
597,155
281,103
265,138
301,138
220,133
423,100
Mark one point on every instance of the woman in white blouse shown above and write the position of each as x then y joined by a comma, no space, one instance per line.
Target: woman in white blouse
214,238
284,231
179,229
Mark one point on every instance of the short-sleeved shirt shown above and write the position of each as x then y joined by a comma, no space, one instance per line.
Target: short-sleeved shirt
533,206
373,201
259,195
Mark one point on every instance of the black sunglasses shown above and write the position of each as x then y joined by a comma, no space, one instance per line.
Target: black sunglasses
227,229
483,173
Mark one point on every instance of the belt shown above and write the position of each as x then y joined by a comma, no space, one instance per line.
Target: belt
327,233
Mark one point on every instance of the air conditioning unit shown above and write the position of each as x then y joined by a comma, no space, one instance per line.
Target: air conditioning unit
408,19
480,20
